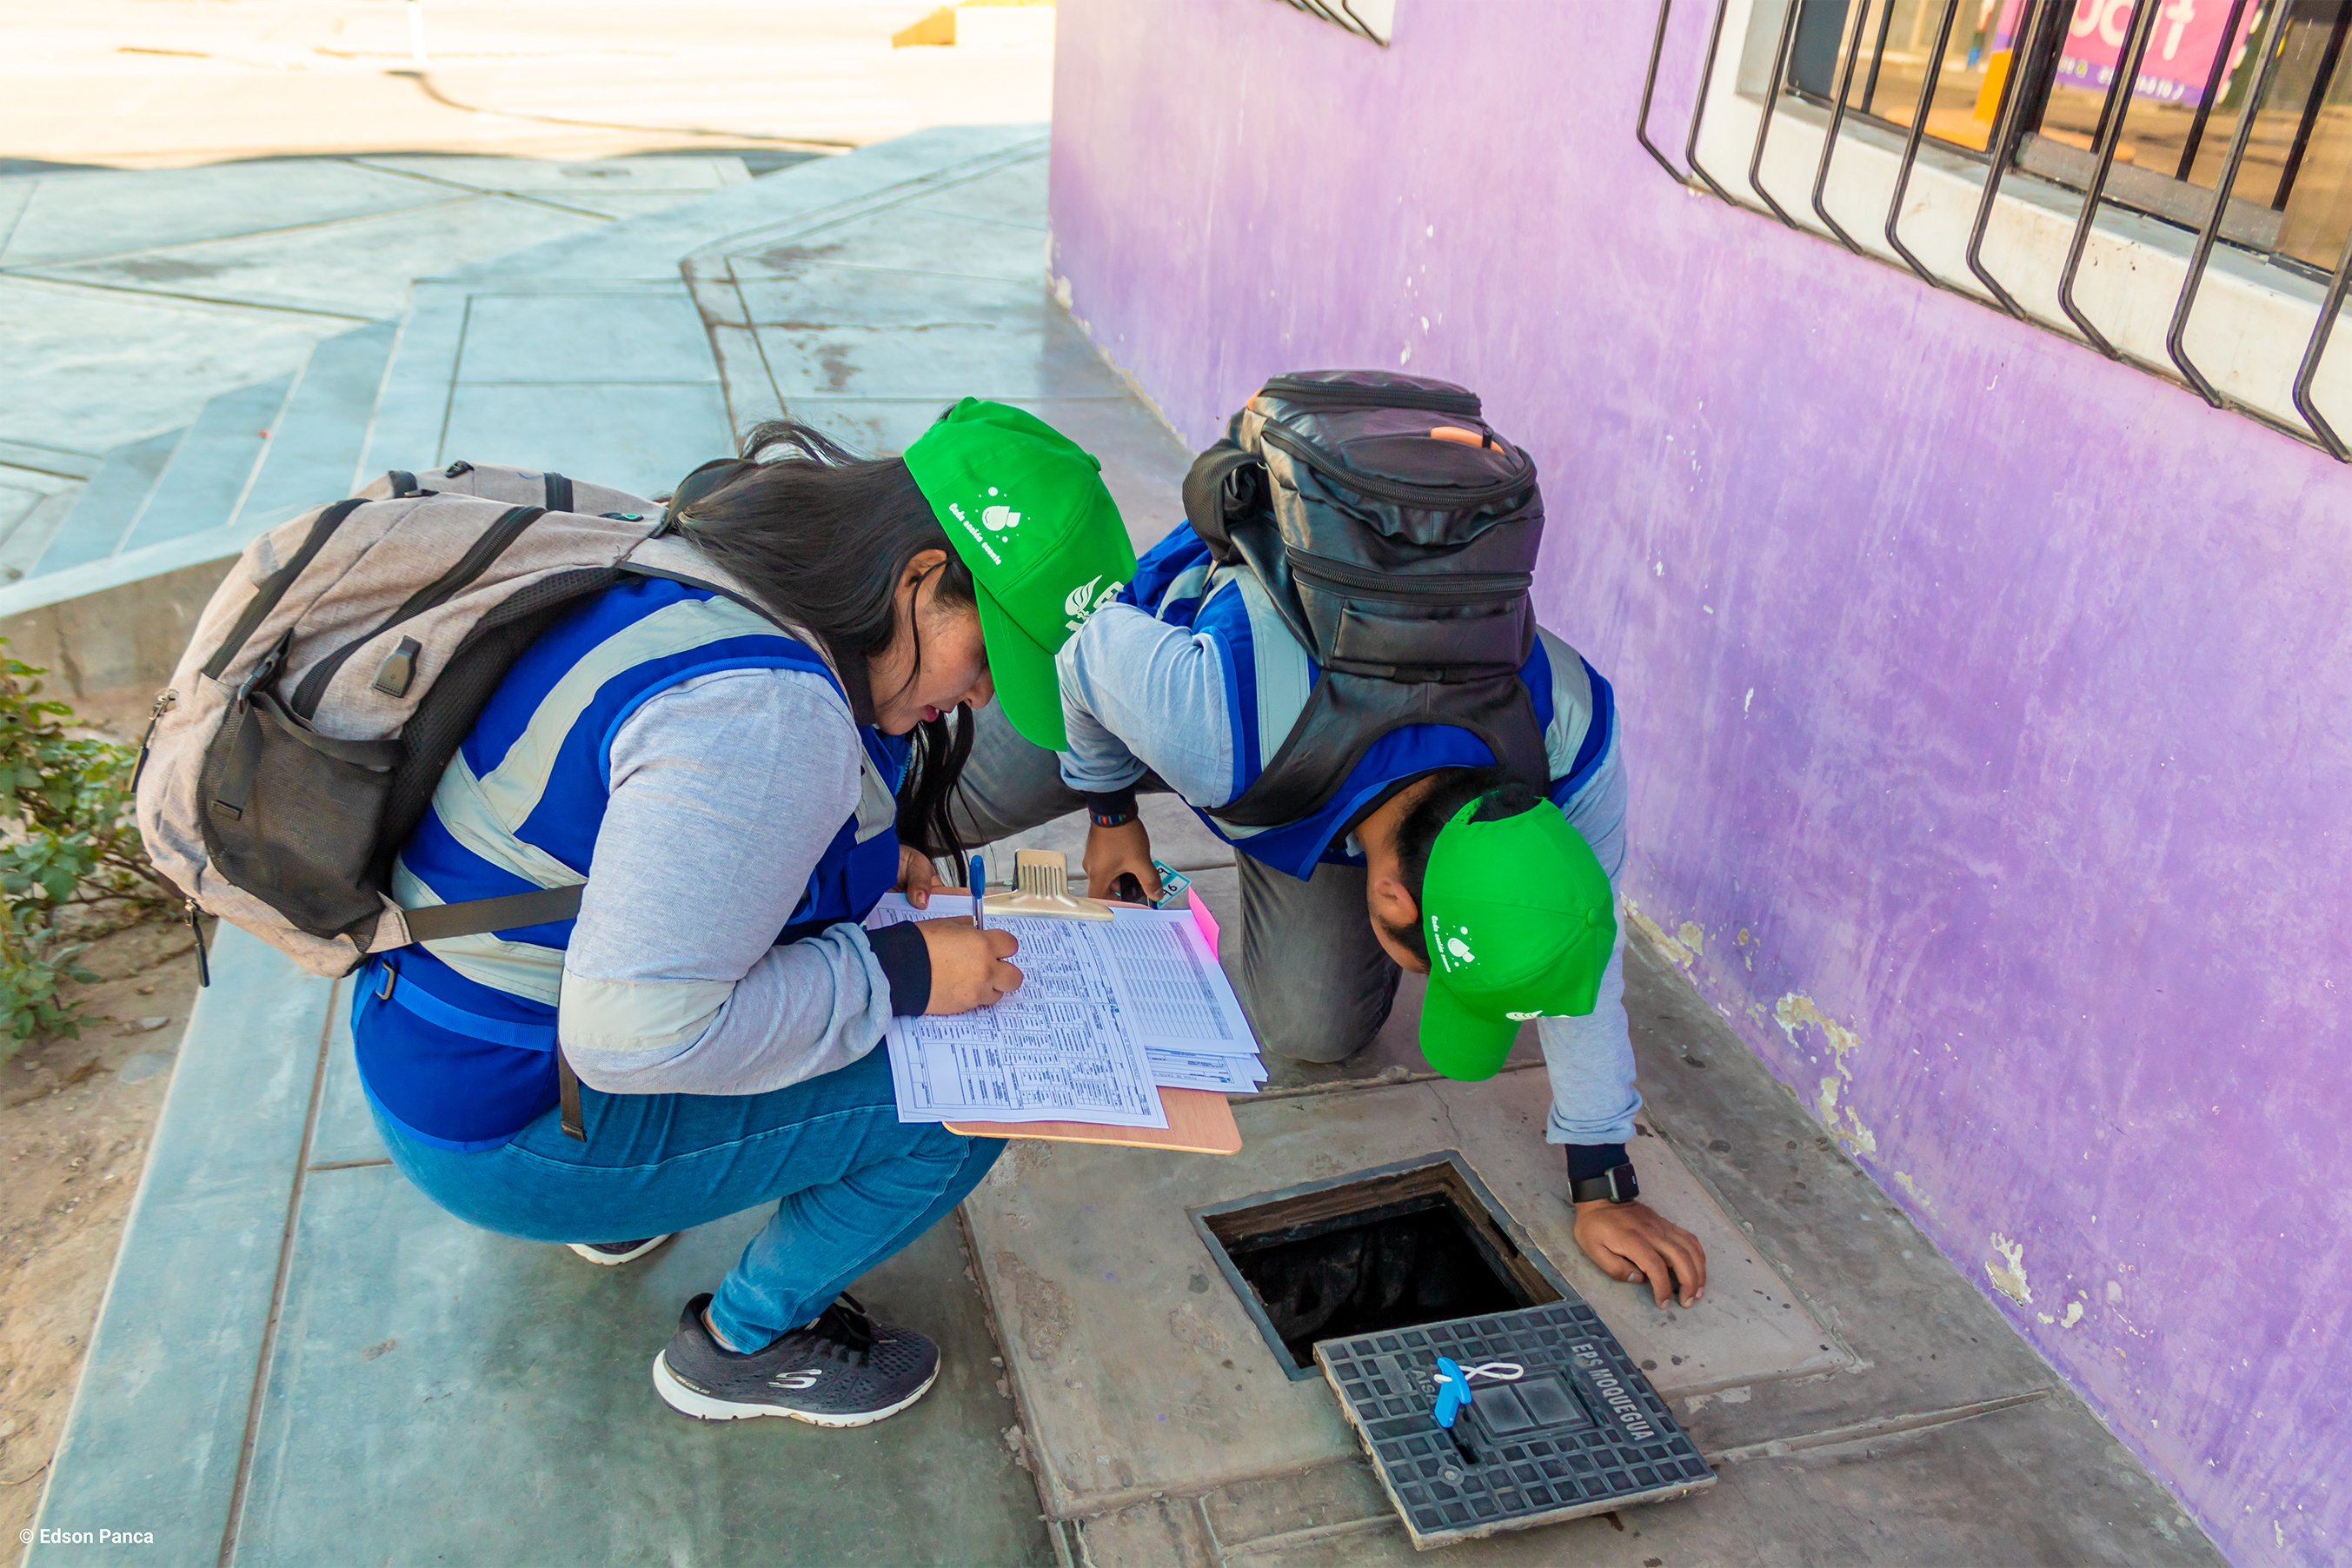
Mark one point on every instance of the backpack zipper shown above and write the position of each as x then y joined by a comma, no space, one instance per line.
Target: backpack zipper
163,704
1341,394
1435,498
1458,587
193,915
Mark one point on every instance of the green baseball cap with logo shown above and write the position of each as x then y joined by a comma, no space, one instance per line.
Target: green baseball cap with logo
1521,921
1027,511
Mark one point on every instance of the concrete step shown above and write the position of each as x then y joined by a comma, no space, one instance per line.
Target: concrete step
199,489
314,447
104,515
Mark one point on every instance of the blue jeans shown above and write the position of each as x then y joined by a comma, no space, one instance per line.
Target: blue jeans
856,1184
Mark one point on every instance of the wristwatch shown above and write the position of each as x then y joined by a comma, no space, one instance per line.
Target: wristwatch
1115,809
1615,1184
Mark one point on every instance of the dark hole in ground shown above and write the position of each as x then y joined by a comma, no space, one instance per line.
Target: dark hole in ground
1359,1257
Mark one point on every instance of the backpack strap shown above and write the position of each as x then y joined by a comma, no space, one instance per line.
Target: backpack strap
1225,484
559,492
541,906
404,484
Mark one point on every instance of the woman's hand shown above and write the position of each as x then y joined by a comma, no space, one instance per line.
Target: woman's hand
968,967
1114,851
918,878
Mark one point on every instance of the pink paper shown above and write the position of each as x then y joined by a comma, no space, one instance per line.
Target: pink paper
1202,917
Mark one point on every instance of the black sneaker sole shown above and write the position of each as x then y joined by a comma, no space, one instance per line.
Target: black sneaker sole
704,1407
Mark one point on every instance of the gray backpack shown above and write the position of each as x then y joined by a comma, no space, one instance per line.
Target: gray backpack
332,677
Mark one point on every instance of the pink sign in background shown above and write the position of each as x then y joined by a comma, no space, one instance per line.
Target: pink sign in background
2179,51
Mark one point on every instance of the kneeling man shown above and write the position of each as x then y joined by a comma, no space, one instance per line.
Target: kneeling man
1189,681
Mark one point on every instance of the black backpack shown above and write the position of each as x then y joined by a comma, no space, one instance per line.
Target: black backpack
1400,558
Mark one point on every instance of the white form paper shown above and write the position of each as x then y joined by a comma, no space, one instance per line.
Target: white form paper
1194,1069
1054,1051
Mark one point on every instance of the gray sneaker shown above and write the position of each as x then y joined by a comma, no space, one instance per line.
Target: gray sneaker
843,1369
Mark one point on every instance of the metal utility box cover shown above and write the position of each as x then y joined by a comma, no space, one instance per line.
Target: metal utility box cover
1581,1430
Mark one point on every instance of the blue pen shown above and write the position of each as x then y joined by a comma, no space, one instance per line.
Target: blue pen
977,878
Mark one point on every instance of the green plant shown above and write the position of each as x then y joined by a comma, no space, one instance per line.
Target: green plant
70,858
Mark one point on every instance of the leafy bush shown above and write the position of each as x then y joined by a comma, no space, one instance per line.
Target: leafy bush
70,859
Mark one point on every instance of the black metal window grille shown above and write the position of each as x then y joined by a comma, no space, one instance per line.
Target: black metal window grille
1366,19
2147,105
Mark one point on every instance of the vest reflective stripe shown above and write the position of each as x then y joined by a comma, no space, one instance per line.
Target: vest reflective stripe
520,807
1571,704
1269,677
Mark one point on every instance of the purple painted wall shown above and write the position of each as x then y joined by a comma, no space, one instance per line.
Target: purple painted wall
1989,705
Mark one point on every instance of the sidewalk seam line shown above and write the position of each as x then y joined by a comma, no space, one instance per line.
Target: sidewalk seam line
277,1286
1877,1426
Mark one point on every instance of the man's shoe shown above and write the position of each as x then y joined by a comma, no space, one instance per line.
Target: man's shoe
843,1369
611,1252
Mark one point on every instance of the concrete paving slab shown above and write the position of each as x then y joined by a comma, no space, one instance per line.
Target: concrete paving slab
104,513
1140,1372
15,195
1966,1492
909,239
412,408
32,504
157,1428
570,339
91,368
812,295
673,177
345,1133
62,462
77,216
1027,353
441,1393
1015,195
820,193
201,486
316,441
359,268
643,439
29,540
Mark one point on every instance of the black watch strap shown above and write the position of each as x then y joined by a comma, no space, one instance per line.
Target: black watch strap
1115,809
1616,1183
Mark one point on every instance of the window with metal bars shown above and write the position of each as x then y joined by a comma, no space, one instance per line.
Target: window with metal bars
2133,112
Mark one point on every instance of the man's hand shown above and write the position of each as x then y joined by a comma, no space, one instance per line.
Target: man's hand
1634,1243
1112,851
918,878
968,967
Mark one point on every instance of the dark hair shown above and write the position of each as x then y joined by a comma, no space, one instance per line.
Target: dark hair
822,537
1500,796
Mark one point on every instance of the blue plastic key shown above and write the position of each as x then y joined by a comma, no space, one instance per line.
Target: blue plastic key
1453,1390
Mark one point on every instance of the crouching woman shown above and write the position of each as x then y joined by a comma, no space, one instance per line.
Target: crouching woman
733,784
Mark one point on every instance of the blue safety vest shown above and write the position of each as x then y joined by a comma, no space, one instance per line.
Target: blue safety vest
457,1037
1268,677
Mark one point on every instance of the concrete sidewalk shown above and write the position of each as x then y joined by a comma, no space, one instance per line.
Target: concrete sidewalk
302,1361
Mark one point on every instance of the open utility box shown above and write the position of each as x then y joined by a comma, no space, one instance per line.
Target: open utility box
1371,1277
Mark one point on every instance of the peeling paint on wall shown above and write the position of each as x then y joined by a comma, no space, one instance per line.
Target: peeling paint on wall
1917,1194
2008,1276
1683,945
1794,1011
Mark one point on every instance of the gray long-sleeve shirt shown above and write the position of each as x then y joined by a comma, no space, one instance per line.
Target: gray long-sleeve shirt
1140,694
726,790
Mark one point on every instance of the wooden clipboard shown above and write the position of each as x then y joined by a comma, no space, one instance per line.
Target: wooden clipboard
1200,1121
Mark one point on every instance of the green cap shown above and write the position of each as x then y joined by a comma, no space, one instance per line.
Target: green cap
1521,921
1026,509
